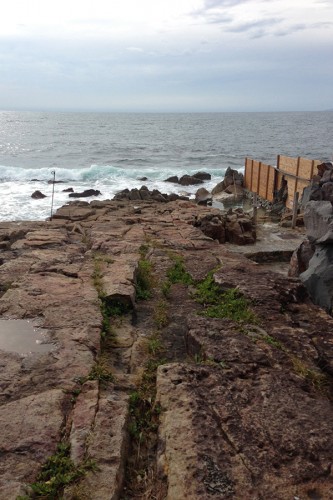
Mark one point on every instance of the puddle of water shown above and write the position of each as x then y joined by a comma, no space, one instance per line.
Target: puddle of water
19,335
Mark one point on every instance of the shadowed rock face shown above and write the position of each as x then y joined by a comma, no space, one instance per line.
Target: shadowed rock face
244,409
313,260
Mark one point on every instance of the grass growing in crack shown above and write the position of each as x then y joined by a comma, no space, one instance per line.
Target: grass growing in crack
223,304
154,345
144,279
101,372
318,379
144,418
58,472
274,342
176,274
161,314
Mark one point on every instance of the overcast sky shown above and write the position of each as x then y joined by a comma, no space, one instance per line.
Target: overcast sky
166,55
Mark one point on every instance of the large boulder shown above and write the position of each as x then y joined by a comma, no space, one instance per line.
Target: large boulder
318,220
300,259
318,278
204,176
231,177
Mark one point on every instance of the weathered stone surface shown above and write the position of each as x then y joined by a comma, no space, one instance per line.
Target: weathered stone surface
119,280
248,420
250,415
318,220
84,412
318,278
108,446
31,429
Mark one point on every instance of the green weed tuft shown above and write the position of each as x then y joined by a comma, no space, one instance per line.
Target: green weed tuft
178,274
58,472
223,304
144,280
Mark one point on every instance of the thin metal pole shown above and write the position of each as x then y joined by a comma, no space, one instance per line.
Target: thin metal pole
53,172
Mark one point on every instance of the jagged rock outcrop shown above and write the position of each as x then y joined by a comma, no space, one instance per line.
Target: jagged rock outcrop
313,261
231,178
144,194
235,227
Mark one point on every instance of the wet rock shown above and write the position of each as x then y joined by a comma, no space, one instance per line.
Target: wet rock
38,195
85,194
173,178
204,176
189,180
68,190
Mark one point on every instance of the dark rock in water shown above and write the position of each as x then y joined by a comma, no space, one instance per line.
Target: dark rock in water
38,195
85,194
144,194
35,180
134,195
203,196
204,176
173,178
318,278
51,181
142,178
68,190
189,180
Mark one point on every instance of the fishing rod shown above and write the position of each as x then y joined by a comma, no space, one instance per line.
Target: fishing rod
53,183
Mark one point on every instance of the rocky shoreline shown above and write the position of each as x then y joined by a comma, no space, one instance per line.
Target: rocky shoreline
151,388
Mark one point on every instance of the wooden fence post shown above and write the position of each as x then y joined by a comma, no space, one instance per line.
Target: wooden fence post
295,208
254,209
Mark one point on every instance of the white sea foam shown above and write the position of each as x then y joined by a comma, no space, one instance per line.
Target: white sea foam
18,185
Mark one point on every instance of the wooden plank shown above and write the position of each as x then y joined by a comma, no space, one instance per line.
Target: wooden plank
288,165
271,184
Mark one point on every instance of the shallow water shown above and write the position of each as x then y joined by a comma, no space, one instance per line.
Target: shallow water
20,336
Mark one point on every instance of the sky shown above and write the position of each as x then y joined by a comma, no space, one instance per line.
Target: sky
166,55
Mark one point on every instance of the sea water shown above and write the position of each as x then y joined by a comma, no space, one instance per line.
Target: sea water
113,151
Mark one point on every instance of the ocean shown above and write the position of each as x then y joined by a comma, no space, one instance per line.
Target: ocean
111,151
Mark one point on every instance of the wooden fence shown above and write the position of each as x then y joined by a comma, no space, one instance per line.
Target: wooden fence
266,180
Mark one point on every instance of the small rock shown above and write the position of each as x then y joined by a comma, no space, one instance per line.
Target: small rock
38,195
